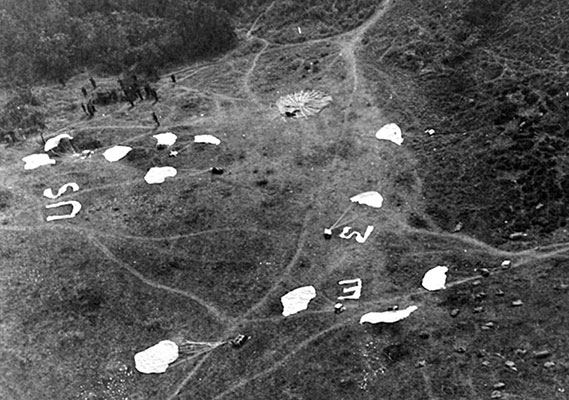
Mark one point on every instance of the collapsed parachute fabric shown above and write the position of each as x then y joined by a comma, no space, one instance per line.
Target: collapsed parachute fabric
435,278
390,132
372,199
207,139
52,143
387,317
159,174
116,153
37,160
303,103
155,359
165,139
297,300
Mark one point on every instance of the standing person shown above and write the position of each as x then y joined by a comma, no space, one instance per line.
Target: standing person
84,91
173,77
93,83
155,118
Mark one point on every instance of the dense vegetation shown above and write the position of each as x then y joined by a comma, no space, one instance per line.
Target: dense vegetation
491,79
52,39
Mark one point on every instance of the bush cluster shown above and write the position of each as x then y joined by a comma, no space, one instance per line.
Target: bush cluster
52,39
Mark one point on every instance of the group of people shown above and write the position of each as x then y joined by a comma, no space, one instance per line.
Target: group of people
132,89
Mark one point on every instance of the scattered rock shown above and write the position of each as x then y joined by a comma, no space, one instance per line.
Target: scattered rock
506,264
518,236
541,354
496,394
510,364
476,283
520,352
478,309
517,303
484,272
454,312
458,227
549,364
499,385
500,292
460,349
421,364
424,335
487,326
430,131
486,363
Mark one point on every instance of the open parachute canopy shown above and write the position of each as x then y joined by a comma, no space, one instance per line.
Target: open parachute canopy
387,317
303,103
371,199
297,300
53,142
155,359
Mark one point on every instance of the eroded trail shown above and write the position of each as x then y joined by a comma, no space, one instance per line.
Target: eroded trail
251,318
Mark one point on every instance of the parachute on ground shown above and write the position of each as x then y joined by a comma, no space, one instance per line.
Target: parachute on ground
371,199
303,103
435,278
207,139
390,132
37,160
53,142
165,139
297,300
159,174
116,153
387,317
155,359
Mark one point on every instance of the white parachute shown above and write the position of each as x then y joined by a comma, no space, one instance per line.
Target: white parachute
37,160
371,199
116,153
165,139
435,278
297,300
159,174
387,317
390,132
207,139
155,359
53,142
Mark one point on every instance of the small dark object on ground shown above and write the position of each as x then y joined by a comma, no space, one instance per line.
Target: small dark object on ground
84,91
217,171
173,77
239,341
484,272
93,83
155,118
392,308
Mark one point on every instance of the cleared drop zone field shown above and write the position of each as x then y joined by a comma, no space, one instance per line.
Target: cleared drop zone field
205,257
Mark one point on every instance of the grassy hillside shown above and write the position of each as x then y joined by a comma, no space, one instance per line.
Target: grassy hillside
204,257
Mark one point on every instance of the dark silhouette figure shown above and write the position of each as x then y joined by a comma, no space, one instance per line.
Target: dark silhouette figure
154,94
93,83
84,91
155,118
84,109
173,77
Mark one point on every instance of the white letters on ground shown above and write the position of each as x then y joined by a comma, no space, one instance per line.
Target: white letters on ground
76,207
355,291
297,300
359,238
387,316
435,278
49,193
155,359
159,174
